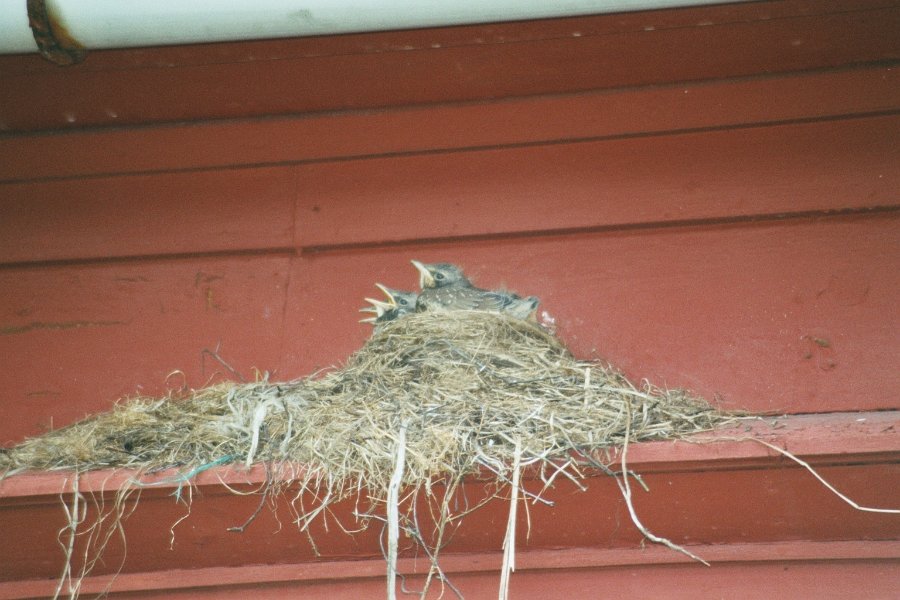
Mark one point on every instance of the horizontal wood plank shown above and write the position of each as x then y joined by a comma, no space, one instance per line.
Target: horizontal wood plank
166,92
690,503
733,312
832,570
711,175
147,215
626,112
75,339
821,167
803,314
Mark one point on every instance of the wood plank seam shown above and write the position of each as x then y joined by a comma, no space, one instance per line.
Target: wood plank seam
787,553
644,226
311,250
443,151
141,258
428,241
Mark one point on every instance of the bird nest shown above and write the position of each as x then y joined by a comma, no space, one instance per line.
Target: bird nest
467,386
430,397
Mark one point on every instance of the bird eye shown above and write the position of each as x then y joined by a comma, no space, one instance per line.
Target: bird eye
438,276
402,302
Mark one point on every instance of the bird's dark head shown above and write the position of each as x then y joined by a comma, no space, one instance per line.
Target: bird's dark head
399,303
405,301
437,275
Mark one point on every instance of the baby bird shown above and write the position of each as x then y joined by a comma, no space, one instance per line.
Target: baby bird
399,303
445,287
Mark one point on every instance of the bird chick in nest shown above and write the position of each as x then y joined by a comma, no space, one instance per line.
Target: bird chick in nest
445,287
398,304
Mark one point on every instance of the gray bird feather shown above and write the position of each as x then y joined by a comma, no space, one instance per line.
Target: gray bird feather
445,287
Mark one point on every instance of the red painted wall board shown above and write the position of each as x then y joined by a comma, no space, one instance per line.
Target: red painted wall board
764,580
719,174
732,311
640,298
691,507
76,338
691,498
168,92
168,213
621,112
823,166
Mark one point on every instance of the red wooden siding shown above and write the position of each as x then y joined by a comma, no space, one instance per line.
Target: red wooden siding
451,65
706,197
682,106
548,575
76,337
787,232
772,509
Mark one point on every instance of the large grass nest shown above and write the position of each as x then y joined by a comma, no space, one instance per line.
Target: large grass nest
428,400
467,387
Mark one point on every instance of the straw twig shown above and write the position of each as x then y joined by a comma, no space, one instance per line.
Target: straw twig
393,511
625,487
509,539
823,481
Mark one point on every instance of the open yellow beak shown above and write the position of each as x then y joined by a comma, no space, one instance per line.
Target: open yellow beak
426,279
379,306
389,293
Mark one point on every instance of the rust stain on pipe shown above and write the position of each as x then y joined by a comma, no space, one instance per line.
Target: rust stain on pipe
54,41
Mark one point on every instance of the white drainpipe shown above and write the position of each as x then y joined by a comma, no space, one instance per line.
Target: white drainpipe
95,24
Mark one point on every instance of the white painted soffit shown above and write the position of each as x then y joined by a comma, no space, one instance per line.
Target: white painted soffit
95,24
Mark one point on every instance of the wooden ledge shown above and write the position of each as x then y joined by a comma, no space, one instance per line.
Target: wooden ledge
821,439
729,499
214,580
